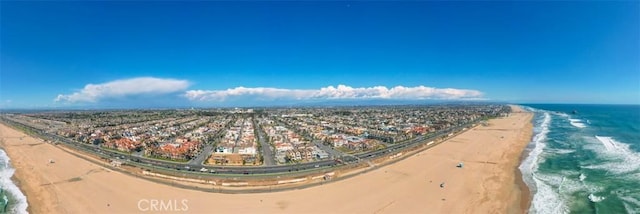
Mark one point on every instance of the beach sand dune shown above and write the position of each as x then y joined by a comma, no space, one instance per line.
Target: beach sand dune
487,183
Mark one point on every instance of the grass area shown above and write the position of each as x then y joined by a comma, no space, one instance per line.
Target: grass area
199,175
166,159
345,150
154,158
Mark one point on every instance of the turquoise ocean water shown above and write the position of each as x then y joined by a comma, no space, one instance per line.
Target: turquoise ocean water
584,162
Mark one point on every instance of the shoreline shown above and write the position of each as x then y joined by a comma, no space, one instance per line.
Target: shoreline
410,171
16,180
525,193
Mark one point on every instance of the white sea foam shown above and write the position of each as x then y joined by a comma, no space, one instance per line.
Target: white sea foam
546,198
561,114
630,200
19,202
582,177
607,142
630,209
577,123
631,205
560,151
595,199
621,159
529,165
529,109
561,182
592,188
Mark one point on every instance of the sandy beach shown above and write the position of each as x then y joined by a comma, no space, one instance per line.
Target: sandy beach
488,182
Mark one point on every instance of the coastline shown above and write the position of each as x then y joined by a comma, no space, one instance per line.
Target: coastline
525,192
396,182
16,178
23,176
525,197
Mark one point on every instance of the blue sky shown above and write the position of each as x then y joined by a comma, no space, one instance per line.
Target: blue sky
66,54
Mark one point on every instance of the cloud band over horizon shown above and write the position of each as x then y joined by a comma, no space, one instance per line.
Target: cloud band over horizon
339,92
125,87
158,86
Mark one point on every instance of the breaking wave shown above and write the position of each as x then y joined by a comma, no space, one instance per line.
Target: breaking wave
577,123
545,197
18,204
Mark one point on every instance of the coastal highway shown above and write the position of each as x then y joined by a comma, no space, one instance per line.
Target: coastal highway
197,166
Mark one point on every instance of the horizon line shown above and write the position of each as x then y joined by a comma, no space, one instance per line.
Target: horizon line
79,108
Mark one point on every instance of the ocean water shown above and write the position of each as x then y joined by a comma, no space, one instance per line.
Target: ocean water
12,200
587,162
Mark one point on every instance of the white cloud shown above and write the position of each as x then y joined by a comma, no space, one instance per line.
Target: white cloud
125,87
339,92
